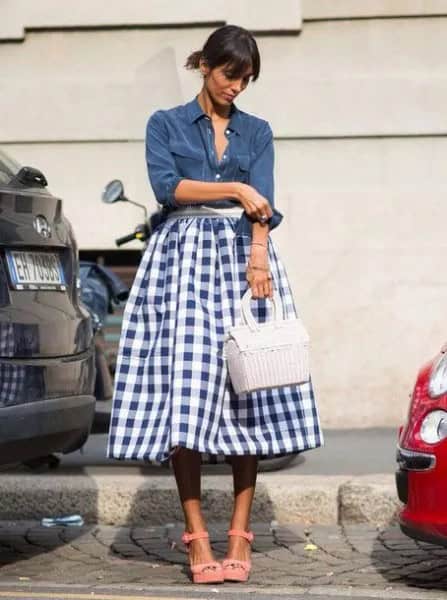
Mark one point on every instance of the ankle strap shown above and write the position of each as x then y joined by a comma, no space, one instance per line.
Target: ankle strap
189,537
248,535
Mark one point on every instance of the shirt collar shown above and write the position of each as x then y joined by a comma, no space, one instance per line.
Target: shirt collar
195,112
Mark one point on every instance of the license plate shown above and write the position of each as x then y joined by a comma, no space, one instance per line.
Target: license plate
31,270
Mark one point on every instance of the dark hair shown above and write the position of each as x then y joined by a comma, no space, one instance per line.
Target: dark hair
230,45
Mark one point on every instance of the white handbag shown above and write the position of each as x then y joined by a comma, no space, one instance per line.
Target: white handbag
265,355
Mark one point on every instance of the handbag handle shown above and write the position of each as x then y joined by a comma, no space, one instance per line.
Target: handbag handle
247,313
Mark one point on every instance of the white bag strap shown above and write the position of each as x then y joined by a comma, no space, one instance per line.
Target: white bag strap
247,314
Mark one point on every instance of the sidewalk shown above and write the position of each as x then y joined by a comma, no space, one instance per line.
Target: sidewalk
290,557
325,526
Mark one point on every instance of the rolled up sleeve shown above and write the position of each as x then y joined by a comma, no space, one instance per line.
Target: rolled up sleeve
261,170
161,167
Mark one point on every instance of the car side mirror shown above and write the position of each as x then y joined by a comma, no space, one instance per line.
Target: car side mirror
113,192
29,176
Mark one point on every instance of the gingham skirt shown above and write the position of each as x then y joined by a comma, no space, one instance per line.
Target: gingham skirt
171,383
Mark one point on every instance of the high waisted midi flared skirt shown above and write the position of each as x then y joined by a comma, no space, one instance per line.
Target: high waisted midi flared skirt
171,383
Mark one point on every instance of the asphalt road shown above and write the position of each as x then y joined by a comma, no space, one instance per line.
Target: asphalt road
346,452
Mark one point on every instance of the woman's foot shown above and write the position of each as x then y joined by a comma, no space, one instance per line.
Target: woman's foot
238,548
237,564
200,551
204,568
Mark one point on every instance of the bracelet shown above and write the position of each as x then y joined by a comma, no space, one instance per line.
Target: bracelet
258,244
258,268
269,275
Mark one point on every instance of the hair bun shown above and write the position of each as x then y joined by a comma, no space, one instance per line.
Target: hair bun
193,60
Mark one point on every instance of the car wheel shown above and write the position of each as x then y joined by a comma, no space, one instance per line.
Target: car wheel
42,463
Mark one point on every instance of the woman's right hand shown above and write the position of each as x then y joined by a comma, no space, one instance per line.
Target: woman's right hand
255,205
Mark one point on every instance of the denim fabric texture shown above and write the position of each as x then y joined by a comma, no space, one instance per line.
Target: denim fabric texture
180,145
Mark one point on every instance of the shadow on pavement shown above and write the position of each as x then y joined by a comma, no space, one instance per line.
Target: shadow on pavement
23,537
24,540
401,560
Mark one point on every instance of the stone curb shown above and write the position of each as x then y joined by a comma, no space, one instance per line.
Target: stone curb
369,500
123,499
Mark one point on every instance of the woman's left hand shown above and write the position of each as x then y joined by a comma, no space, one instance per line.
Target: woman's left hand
258,274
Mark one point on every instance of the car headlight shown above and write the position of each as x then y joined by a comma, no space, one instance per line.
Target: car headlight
438,378
434,427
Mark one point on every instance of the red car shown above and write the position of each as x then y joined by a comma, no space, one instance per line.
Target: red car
422,456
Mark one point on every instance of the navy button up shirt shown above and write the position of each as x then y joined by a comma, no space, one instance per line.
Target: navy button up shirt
180,145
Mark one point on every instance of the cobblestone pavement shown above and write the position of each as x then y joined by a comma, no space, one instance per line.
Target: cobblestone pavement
358,556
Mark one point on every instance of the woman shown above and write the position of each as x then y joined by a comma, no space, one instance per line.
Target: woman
211,168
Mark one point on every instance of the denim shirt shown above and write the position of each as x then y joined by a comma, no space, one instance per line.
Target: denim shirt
180,145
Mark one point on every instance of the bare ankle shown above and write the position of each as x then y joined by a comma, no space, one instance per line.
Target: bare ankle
240,525
195,526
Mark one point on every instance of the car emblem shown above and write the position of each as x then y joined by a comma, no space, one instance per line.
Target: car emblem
42,226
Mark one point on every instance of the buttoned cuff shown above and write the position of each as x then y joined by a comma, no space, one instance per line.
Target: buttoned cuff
275,219
243,228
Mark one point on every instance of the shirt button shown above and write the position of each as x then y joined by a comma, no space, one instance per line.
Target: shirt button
227,131
224,156
217,176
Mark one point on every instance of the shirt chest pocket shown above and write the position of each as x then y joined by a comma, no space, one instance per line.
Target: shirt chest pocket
189,161
242,167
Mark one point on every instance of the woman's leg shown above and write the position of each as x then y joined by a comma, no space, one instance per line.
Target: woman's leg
186,464
245,469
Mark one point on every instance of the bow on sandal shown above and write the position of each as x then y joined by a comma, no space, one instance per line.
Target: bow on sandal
237,570
210,572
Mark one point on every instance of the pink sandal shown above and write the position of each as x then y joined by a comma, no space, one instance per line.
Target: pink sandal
210,572
237,570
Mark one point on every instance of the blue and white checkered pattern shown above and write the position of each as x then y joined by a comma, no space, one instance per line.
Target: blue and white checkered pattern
11,384
171,383
12,377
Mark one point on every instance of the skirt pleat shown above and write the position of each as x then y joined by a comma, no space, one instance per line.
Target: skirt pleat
171,383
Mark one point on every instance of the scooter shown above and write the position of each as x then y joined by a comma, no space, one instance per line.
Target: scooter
101,291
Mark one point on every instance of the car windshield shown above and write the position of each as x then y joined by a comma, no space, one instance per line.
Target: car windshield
8,168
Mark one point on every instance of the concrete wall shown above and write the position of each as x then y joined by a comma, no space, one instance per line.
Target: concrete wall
353,9
357,103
